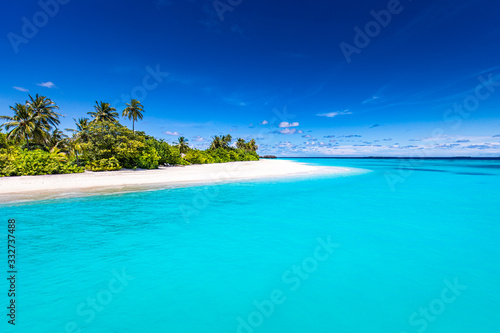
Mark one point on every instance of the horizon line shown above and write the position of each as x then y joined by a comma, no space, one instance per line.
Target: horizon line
397,157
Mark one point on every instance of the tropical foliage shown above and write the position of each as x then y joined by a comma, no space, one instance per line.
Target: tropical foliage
182,144
133,111
21,162
103,112
222,141
34,145
32,121
247,146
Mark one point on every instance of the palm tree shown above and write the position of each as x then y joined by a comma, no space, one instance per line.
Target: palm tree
241,144
82,124
74,148
25,125
82,127
252,145
133,111
182,144
57,140
216,142
80,135
248,146
43,108
226,140
103,112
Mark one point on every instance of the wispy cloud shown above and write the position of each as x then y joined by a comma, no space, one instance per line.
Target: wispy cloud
21,89
484,146
334,114
47,84
370,100
431,16
439,96
265,122
172,133
446,145
287,124
288,131
376,96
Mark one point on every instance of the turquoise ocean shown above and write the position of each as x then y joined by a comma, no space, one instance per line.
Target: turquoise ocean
407,246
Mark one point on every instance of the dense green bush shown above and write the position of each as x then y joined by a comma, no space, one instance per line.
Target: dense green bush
219,155
17,162
3,140
149,159
194,156
107,142
168,154
105,164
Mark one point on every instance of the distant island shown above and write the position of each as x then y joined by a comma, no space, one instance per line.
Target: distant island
34,145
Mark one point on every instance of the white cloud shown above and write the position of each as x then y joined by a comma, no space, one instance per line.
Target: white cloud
334,114
288,131
287,124
172,133
265,122
286,144
486,145
21,89
47,84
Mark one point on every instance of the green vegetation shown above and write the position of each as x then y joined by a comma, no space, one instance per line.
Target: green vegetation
103,112
18,162
133,111
182,144
34,145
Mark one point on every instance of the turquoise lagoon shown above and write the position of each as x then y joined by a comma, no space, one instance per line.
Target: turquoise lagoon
407,247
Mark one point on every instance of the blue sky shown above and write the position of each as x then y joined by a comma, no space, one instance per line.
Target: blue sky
306,78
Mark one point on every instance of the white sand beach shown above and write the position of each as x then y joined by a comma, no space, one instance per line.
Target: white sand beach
165,177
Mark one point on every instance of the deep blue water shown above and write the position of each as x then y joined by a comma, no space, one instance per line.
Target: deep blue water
407,247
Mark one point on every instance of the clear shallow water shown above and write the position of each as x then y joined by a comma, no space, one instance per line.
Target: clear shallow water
417,252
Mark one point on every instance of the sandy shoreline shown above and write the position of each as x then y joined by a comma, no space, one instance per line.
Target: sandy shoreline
38,187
